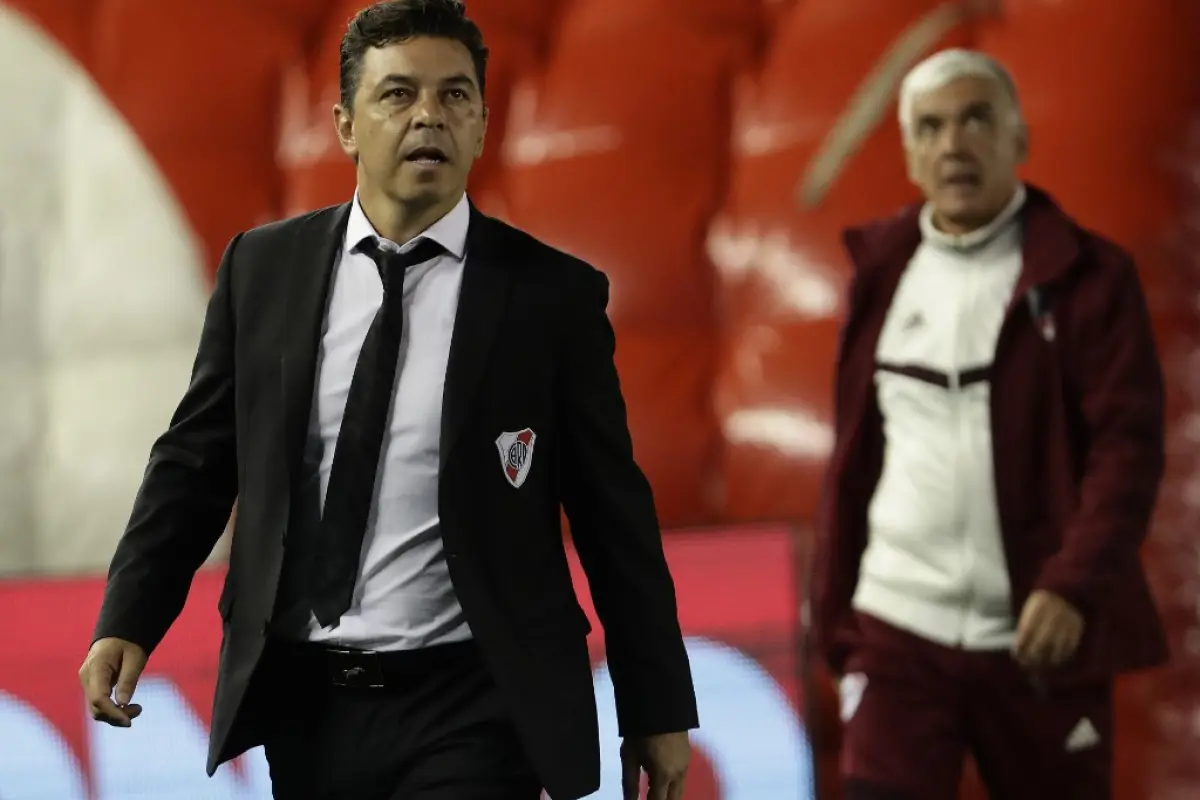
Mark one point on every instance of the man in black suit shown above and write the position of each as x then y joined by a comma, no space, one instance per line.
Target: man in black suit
400,392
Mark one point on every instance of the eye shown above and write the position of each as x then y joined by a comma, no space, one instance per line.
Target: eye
977,118
395,92
457,94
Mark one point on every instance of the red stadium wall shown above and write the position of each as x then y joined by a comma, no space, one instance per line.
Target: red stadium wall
706,154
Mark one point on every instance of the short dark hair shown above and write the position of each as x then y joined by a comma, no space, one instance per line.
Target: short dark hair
394,21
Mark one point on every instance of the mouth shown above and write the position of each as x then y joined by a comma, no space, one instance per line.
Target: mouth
963,180
427,157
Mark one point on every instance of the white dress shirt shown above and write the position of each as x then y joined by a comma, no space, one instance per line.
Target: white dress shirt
403,597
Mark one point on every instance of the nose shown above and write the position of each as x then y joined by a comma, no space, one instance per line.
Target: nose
429,112
952,138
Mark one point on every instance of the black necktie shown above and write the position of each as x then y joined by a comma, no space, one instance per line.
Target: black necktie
360,439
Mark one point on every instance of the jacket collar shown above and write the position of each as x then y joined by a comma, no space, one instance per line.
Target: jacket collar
1051,241
450,231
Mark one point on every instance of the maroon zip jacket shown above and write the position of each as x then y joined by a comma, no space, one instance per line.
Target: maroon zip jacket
1077,415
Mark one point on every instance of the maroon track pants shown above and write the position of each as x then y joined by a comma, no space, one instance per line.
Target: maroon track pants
922,707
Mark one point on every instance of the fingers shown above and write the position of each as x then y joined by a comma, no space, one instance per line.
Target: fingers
131,669
1031,642
663,787
97,678
1065,642
108,666
1027,627
1045,638
105,710
102,708
631,773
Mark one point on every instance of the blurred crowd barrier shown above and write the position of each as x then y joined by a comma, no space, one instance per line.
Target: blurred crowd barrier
704,153
738,592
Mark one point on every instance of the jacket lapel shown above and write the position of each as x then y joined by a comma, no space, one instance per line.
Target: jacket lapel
1051,243
309,268
879,255
481,303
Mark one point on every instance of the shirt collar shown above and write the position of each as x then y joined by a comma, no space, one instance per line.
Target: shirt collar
450,231
977,237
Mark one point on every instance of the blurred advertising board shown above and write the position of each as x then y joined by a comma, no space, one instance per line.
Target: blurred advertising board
737,591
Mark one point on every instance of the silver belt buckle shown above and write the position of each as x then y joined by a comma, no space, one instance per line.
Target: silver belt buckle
359,669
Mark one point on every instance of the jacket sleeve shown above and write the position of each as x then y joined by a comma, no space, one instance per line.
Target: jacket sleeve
830,593
187,492
831,615
1121,397
614,525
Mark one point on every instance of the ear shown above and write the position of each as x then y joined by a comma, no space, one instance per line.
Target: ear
343,124
482,133
910,164
1022,150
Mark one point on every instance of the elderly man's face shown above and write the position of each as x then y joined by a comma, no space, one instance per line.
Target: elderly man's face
963,151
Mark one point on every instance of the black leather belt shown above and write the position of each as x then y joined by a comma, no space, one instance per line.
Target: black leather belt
374,669
358,668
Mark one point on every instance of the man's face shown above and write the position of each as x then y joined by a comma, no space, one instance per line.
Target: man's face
964,150
418,120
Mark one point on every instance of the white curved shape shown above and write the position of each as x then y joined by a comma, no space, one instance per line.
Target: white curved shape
748,730
162,755
101,303
805,285
36,763
785,430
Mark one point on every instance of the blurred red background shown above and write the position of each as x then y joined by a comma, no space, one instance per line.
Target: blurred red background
665,141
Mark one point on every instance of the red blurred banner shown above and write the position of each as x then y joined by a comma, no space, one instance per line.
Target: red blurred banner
738,600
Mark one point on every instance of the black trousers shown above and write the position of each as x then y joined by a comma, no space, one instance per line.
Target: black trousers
436,729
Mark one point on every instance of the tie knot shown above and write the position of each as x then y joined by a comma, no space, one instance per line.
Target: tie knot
393,263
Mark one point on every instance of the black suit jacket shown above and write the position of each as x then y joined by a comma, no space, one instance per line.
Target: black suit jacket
532,347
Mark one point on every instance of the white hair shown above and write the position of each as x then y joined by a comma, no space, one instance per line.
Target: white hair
947,66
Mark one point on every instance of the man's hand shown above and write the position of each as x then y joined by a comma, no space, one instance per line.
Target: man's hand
112,663
1049,631
665,760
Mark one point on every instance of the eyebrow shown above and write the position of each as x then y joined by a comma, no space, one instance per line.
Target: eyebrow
459,79
978,107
